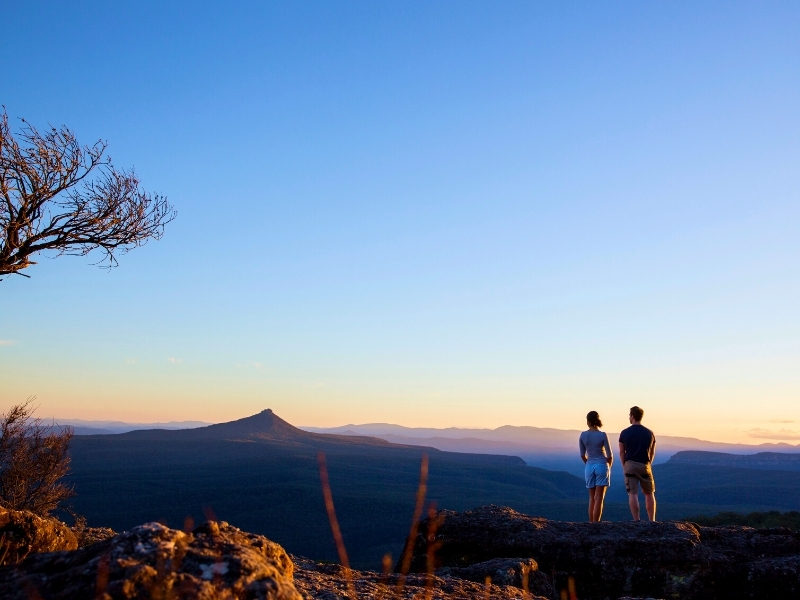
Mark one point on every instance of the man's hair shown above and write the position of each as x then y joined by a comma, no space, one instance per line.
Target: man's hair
637,413
594,419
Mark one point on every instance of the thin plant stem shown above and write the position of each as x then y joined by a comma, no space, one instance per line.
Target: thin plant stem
337,532
422,490
434,520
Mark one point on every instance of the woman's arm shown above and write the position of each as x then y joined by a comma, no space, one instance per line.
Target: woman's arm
582,447
609,453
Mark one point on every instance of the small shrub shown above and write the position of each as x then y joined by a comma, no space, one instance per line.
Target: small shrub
33,461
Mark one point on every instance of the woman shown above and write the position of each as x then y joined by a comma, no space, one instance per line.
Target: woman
596,455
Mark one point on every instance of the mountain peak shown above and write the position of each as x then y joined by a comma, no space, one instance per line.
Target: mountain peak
265,424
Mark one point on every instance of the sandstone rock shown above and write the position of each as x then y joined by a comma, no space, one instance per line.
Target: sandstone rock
214,562
330,582
518,572
611,560
23,533
87,536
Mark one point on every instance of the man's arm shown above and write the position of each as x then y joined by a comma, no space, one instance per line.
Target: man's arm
653,450
622,453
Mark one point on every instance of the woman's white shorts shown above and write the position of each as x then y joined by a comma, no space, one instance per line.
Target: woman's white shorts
597,474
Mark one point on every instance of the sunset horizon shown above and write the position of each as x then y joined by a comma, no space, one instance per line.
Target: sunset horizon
422,215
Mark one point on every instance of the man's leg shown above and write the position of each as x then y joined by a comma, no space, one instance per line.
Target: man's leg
650,505
633,502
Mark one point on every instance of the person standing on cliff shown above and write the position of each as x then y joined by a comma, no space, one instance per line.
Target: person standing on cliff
596,455
637,448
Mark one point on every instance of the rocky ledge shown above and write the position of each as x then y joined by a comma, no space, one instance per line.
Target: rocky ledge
23,533
319,581
213,562
613,560
491,552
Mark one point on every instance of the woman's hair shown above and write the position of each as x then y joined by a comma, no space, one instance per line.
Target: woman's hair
594,419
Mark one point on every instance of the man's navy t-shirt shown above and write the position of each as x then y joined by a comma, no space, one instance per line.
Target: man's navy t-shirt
639,443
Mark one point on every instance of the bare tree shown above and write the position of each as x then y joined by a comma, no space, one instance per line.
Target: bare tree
59,196
34,459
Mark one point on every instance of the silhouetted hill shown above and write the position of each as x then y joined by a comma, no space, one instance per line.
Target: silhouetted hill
759,520
717,488
539,446
80,430
100,427
763,461
267,427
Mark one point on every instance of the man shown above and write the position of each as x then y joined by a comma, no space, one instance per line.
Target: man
637,448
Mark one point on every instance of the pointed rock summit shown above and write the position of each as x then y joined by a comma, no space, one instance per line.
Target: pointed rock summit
265,427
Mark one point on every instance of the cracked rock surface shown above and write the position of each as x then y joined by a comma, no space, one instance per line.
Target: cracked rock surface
318,581
214,562
613,560
491,552
23,533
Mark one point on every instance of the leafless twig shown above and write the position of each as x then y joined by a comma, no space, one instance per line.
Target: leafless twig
337,532
59,196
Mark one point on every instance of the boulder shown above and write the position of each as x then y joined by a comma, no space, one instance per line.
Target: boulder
23,533
612,560
91,535
522,573
215,561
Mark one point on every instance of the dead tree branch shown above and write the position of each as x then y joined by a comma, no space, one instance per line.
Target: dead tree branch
56,195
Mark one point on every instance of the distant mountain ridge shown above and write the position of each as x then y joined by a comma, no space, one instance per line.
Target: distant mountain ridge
762,461
265,426
528,439
99,427
507,439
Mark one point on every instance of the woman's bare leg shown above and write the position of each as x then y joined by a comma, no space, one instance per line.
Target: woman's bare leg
592,496
599,496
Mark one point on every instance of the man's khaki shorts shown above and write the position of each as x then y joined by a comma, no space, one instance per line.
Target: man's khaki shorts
636,473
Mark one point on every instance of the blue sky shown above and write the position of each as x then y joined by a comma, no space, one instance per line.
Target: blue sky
427,213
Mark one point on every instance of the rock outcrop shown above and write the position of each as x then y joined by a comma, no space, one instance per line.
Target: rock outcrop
219,562
522,573
492,552
319,581
611,560
214,562
23,533
87,536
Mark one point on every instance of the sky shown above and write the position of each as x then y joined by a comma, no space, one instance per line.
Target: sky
427,213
